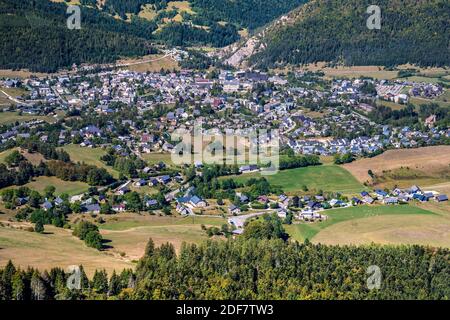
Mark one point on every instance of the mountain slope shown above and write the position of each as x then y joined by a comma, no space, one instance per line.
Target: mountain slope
335,30
35,36
249,14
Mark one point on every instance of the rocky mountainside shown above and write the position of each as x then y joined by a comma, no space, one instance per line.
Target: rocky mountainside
336,31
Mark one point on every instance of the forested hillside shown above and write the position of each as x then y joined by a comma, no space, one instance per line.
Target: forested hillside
250,269
335,30
35,36
248,14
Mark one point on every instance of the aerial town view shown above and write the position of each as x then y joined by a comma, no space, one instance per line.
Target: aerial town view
224,150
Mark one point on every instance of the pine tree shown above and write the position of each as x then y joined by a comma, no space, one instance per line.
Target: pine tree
7,276
38,289
18,287
149,248
114,285
100,282
84,282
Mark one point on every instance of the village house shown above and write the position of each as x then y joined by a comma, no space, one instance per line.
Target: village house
121,207
197,202
92,208
234,210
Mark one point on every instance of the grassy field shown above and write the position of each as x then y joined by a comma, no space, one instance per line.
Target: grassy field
129,220
352,71
55,248
131,243
429,165
69,2
180,6
154,158
4,101
325,177
304,231
420,78
69,187
89,156
145,190
406,177
8,73
14,92
443,100
4,154
147,12
395,229
390,104
12,117
157,62
34,158
130,233
377,72
126,235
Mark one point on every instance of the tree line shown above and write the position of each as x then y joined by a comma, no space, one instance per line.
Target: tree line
249,268
20,171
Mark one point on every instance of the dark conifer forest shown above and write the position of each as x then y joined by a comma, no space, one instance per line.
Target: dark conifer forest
416,32
249,268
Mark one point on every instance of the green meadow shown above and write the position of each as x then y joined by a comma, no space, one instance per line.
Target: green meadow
328,177
303,231
89,156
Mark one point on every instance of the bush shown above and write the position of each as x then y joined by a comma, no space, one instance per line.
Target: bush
83,228
94,240
39,227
